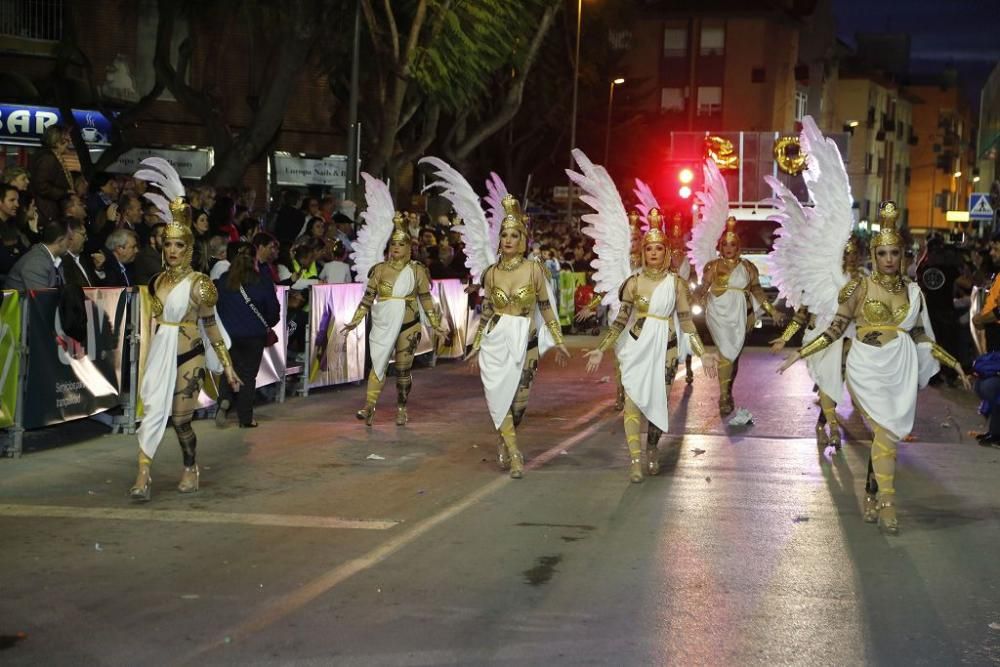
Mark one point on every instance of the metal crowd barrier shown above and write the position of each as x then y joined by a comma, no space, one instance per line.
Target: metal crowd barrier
48,378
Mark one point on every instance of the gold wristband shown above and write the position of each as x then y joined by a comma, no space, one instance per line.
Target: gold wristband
769,308
790,331
608,341
477,341
359,316
556,330
819,343
220,351
435,319
942,355
696,345
595,302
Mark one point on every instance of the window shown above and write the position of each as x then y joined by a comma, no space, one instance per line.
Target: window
713,41
620,40
672,99
801,104
32,19
709,100
675,42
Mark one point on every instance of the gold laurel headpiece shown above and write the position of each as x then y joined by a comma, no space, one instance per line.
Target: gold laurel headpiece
888,216
400,232
655,232
731,234
513,218
179,226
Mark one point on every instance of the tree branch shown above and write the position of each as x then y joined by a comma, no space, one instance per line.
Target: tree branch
426,138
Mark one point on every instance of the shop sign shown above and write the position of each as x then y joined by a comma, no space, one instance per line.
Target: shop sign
190,164
330,171
25,124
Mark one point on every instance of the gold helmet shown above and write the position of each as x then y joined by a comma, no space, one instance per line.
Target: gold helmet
400,232
731,234
513,219
888,235
655,232
179,229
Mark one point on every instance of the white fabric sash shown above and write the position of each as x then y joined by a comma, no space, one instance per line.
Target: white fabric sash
642,360
387,318
885,380
726,315
501,358
160,376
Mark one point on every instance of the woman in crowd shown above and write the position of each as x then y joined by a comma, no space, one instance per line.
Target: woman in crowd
506,344
653,296
183,302
892,356
248,308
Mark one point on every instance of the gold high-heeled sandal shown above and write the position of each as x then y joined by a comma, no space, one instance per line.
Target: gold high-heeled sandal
189,480
401,417
516,465
822,439
870,512
635,470
503,456
652,460
887,519
142,488
366,413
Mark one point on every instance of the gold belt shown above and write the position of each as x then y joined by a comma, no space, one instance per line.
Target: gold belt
879,327
654,317
177,324
397,298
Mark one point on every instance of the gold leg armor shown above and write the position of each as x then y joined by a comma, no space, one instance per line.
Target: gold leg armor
884,465
509,437
620,396
633,428
829,408
140,490
725,386
371,398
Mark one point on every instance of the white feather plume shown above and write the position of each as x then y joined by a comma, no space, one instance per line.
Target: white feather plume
496,190
713,210
646,199
608,226
373,237
807,261
162,174
480,248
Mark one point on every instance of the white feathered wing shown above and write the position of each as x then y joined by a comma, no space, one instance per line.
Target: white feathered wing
713,210
608,226
480,248
496,190
647,201
162,174
369,249
807,261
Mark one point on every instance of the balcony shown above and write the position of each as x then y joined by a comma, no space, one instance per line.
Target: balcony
31,27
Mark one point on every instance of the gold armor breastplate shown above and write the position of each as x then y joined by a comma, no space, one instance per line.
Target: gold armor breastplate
642,304
523,297
879,313
385,288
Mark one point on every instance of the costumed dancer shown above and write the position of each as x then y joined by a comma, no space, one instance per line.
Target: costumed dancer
655,296
729,284
892,356
680,265
518,323
394,288
187,337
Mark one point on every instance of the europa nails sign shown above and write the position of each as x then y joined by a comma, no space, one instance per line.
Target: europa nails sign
22,124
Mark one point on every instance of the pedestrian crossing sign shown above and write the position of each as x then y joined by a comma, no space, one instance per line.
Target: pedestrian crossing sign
979,206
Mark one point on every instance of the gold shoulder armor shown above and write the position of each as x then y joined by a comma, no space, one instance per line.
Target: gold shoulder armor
207,294
848,290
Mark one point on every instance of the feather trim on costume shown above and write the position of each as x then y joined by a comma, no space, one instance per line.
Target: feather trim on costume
373,237
713,210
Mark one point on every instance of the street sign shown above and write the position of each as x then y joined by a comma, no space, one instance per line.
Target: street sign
979,206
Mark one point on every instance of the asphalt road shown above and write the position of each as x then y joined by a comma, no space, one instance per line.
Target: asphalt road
303,549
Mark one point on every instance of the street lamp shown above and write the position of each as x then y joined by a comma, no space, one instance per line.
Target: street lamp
607,133
572,127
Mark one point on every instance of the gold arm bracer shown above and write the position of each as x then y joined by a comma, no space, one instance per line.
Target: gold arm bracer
821,342
793,328
223,353
556,330
942,356
696,345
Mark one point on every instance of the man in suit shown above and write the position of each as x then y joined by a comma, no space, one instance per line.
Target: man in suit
80,268
149,261
40,267
120,251
50,180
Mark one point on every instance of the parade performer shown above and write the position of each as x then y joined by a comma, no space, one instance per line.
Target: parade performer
730,284
394,288
892,356
680,265
187,337
518,323
654,301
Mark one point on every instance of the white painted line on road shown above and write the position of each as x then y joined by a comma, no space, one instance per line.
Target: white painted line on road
297,599
185,516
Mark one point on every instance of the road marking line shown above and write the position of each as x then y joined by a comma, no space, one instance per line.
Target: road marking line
184,516
289,603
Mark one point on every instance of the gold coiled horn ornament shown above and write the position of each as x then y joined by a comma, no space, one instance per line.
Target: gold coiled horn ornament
721,152
789,155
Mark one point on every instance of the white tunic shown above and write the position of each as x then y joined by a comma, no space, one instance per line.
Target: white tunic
884,380
387,318
642,360
502,351
825,365
726,315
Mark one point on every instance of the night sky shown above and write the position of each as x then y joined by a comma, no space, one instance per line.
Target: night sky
962,33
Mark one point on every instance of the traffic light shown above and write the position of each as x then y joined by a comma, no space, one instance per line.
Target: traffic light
685,176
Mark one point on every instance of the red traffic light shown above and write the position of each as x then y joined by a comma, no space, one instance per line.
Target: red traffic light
685,176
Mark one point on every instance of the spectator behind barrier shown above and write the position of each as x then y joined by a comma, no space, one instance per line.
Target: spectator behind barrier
79,268
40,267
120,251
149,260
50,180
